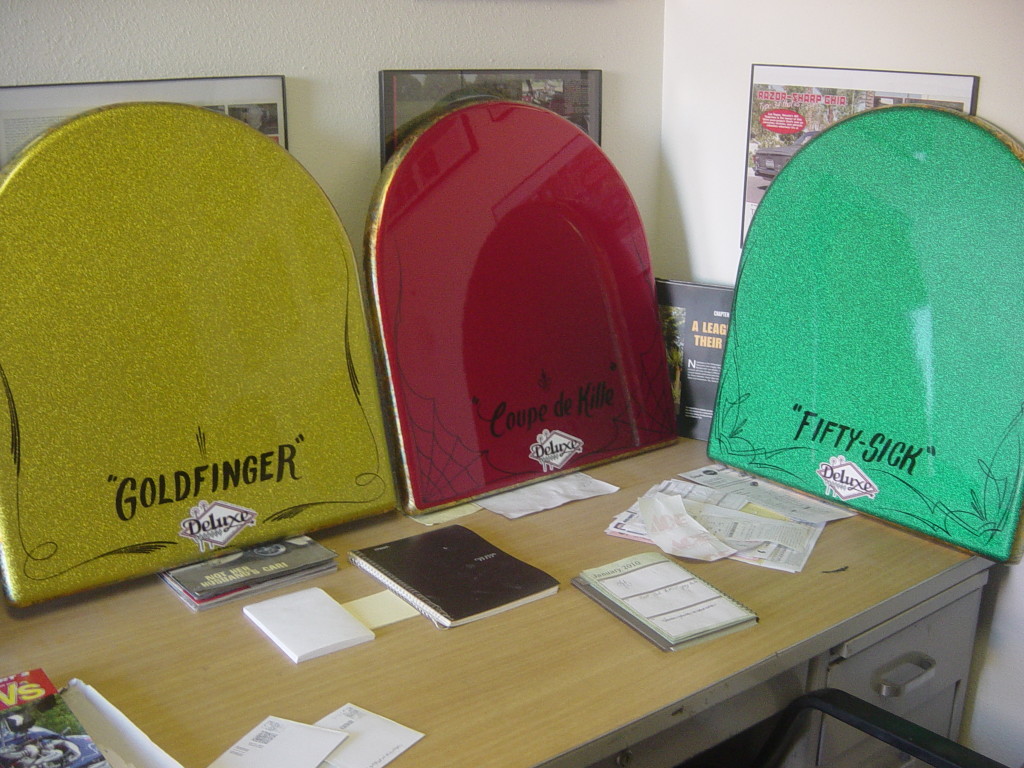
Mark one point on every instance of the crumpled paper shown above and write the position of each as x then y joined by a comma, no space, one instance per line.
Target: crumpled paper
675,531
546,495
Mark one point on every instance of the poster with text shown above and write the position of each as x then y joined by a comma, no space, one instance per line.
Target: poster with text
695,322
790,106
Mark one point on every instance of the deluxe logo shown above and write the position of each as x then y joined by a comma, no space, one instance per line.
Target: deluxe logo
554,449
215,524
845,480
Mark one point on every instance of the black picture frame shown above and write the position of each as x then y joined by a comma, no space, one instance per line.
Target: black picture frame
26,111
406,94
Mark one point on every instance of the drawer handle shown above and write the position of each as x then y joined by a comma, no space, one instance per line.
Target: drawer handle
914,670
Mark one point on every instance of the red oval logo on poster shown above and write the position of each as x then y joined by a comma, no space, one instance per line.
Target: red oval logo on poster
783,121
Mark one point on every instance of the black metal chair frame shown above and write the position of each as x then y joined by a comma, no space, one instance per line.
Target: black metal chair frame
892,729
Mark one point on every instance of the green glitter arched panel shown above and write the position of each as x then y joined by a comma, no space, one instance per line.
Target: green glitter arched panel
875,355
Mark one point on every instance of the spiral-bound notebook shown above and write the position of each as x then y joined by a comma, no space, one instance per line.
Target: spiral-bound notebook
453,575
663,601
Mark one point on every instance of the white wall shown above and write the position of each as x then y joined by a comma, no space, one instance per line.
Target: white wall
330,52
709,47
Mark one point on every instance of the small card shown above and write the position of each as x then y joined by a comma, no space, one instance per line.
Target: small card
373,740
307,624
380,609
277,742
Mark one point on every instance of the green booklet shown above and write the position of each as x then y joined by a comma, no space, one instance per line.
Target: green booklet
663,601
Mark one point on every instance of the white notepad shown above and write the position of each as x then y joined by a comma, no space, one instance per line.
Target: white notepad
307,624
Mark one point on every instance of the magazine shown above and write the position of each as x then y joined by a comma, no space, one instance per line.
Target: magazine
38,729
250,571
695,321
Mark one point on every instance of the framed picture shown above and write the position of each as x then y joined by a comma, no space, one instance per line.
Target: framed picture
790,105
405,94
28,110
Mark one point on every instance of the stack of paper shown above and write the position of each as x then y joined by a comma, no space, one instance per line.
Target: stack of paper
308,624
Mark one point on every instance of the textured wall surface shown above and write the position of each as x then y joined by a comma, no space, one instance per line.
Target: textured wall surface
330,53
710,47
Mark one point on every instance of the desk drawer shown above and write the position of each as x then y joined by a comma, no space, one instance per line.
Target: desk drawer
919,672
726,734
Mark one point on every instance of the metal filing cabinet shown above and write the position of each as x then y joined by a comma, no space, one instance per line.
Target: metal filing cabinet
915,665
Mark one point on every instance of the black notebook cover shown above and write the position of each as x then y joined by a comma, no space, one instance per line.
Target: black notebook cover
453,576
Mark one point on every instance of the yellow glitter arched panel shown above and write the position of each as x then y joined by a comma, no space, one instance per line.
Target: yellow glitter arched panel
184,357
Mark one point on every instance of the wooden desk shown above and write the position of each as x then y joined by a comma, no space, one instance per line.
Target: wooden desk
559,681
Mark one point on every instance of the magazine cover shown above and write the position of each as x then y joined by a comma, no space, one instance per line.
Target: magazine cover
695,321
37,728
252,565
